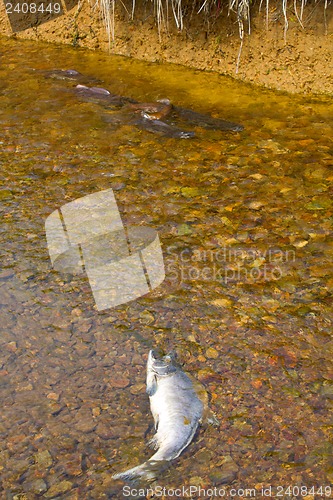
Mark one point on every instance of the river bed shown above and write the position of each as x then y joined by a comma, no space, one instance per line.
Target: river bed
245,224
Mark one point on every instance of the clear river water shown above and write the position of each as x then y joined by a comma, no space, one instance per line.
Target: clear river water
245,224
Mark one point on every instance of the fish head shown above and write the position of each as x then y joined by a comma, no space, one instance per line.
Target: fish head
161,365
71,72
158,366
164,101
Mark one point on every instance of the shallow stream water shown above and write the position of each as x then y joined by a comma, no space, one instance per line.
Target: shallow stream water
245,224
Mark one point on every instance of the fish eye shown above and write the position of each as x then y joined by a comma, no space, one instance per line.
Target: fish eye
157,352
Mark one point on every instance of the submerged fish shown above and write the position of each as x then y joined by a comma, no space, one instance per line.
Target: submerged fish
102,96
64,74
161,128
177,407
70,75
151,113
152,110
206,121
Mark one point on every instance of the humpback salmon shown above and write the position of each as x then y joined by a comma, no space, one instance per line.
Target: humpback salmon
177,408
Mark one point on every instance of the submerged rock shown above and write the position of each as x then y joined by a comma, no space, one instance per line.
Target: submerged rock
226,473
38,486
43,459
58,489
5,194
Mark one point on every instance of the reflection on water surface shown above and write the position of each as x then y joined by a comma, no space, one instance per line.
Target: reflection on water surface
245,222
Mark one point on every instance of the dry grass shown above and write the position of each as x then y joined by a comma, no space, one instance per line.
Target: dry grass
241,9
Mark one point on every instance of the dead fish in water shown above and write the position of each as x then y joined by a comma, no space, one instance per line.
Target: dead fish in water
178,405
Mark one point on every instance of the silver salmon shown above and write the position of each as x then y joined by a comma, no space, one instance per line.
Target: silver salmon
177,410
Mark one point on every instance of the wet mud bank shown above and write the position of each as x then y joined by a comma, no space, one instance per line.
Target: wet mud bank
298,62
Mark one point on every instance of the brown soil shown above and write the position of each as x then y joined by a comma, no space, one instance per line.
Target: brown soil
301,64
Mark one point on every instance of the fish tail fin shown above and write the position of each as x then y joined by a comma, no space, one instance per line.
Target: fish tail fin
148,471
138,472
